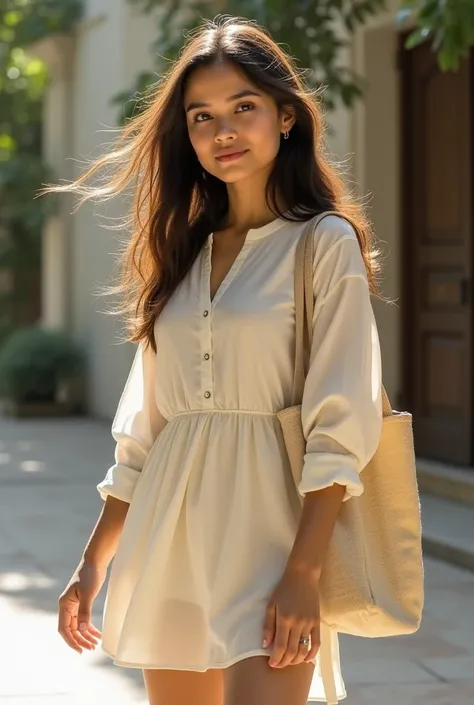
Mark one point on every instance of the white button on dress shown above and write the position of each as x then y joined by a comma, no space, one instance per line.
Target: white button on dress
199,456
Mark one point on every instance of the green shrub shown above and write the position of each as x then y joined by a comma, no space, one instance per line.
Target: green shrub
6,329
34,362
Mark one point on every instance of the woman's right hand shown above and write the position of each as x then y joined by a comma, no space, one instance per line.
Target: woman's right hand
75,607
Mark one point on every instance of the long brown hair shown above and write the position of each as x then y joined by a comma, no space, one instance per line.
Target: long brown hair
176,204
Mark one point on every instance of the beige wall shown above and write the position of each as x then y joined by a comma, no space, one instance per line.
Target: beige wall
376,140
57,137
111,48
366,142
98,75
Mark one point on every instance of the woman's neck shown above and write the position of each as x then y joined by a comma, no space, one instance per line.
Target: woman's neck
247,205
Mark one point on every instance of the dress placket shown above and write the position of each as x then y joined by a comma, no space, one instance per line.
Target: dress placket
207,308
207,381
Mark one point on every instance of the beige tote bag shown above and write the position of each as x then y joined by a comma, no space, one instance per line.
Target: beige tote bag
372,580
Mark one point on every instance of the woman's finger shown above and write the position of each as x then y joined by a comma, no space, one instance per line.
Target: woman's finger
292,653
68,637
94,631
89,638
78,635
315,643
280,645
82,641
269,626
64,628
303,646
90,633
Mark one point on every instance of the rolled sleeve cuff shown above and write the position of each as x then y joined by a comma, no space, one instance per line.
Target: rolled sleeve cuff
321,470
119,482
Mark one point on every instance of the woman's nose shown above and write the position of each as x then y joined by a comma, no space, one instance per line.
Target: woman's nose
225,133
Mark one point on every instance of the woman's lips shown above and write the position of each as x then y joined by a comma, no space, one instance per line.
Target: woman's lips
231,157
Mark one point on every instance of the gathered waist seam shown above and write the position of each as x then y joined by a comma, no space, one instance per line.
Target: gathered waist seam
208,412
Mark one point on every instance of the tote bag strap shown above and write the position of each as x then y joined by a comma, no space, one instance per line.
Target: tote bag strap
304,303
304,309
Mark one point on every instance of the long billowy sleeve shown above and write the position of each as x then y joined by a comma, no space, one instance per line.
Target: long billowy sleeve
135,427
341,409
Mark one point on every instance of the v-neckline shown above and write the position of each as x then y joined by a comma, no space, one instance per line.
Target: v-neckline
253,236
231,272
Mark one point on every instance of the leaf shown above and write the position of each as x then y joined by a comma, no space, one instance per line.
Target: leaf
417,37
429,13
447,61
7,143
12,18
349,22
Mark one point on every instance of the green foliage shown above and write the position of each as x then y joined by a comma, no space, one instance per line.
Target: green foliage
314,31
447,24
6,329
34,361
20,177
25,21
23,80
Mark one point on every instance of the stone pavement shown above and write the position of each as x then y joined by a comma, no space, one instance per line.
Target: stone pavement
48,505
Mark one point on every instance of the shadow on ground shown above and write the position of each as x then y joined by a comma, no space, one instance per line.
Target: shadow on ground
49,504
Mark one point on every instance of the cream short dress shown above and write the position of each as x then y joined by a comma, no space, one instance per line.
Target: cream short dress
199,455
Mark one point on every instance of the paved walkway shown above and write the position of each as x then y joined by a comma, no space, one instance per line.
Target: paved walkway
48,505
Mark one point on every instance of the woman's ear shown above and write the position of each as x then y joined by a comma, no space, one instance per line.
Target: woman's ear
288,119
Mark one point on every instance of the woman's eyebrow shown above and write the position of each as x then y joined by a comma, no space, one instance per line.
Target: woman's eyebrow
242,94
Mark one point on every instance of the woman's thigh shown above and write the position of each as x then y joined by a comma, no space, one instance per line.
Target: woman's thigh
253,682
184,687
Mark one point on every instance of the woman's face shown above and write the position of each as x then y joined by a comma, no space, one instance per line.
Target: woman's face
234,127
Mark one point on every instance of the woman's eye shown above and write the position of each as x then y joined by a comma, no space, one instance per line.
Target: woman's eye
245,107
201,117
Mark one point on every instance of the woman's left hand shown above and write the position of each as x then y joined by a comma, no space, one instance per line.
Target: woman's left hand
292,614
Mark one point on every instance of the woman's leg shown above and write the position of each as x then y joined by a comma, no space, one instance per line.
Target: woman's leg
184,687
253,682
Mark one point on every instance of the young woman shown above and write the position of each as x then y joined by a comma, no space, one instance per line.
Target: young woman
214,586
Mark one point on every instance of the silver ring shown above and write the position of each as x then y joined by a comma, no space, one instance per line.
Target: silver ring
305,641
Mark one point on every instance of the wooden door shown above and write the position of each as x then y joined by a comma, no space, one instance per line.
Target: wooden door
438,230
